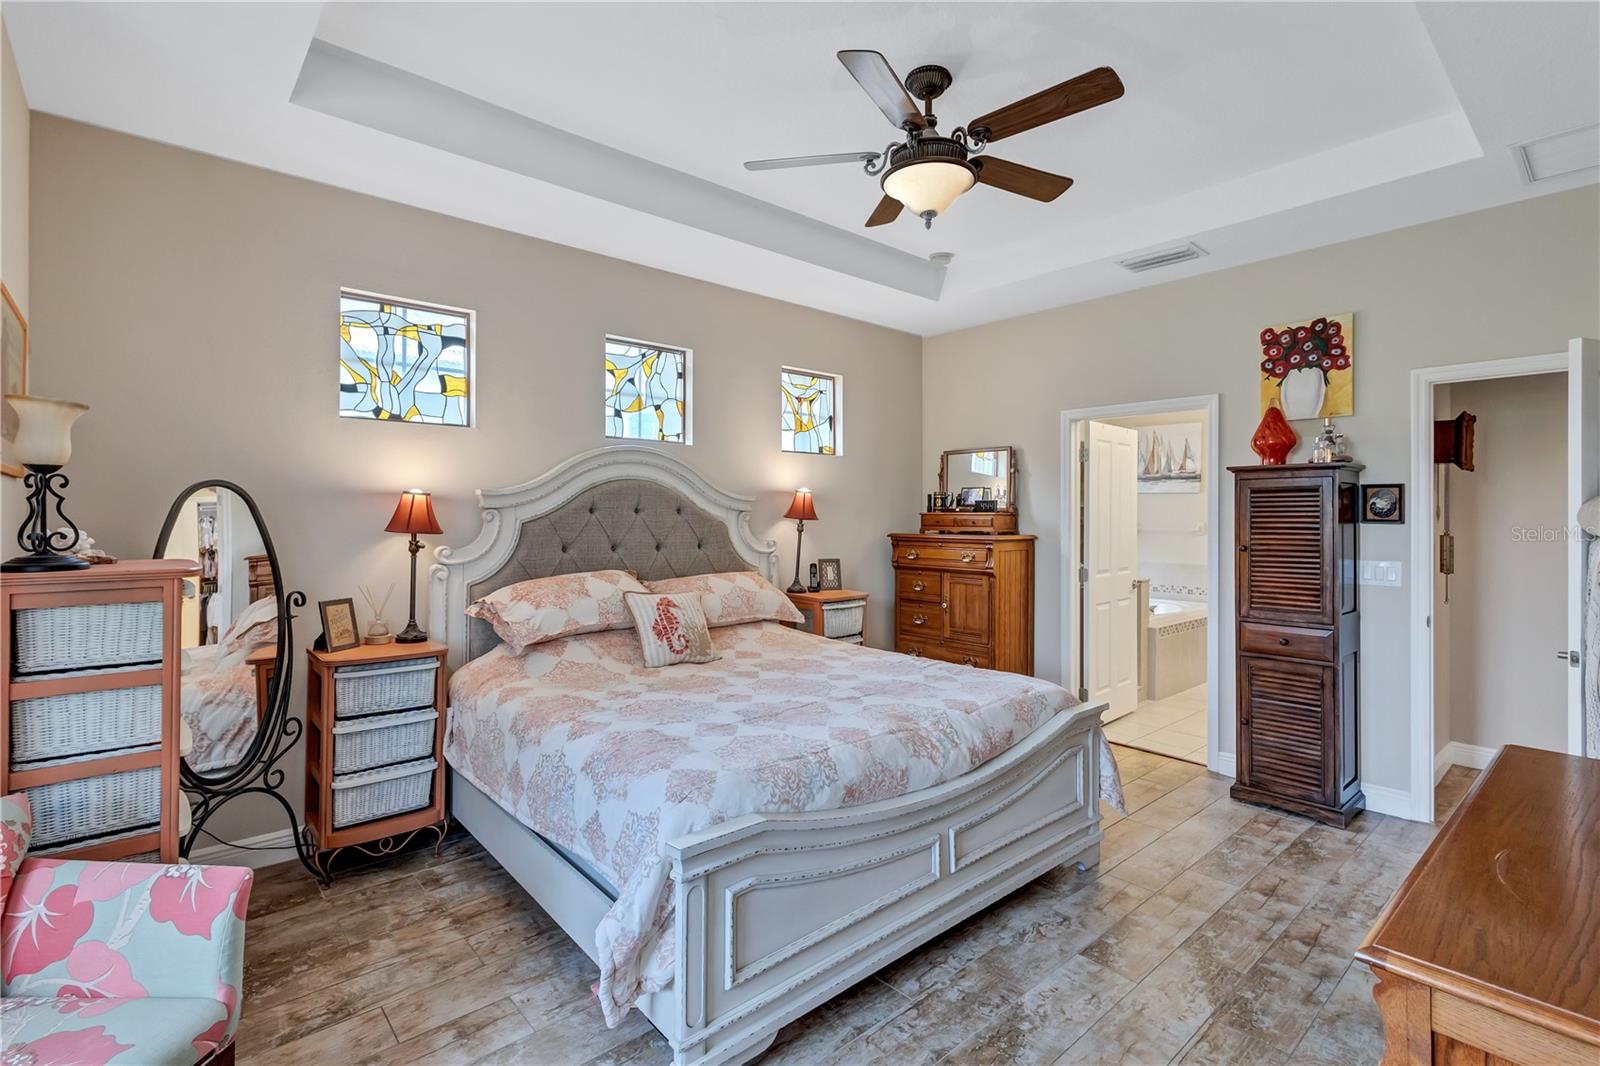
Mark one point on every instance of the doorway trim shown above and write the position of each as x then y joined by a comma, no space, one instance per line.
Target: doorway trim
1216,760
1423,381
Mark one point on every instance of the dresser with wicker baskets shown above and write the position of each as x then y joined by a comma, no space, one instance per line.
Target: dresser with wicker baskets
374,746
89,724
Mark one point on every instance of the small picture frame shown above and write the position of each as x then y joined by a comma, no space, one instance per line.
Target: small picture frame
828,575
969,496
339,630
1383,503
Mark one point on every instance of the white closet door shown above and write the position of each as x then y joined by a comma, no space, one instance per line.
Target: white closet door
1583,483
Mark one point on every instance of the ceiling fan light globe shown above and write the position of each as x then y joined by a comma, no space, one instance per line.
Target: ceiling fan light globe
928,187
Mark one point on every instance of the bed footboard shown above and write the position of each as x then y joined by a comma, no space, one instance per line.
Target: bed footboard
779,913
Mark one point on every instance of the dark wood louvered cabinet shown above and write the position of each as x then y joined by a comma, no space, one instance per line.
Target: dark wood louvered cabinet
1299,638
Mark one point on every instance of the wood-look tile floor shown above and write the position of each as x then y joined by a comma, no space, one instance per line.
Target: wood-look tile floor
1211,932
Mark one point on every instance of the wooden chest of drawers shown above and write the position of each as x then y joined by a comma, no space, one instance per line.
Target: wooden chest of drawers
965,598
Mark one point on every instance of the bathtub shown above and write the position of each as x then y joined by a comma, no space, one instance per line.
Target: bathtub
1175,647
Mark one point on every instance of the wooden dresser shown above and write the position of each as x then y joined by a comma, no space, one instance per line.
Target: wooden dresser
89,725
965,598
1298,638
1489,953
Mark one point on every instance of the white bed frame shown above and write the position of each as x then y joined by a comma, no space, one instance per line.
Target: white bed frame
776,914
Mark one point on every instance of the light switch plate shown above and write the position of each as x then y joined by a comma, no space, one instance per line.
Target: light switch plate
1379,573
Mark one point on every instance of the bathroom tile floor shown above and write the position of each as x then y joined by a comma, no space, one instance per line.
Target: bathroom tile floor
1174,727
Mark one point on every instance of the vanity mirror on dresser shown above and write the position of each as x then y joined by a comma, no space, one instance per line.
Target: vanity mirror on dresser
963,583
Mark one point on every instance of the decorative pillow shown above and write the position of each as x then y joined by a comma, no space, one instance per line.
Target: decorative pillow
531,612
16,826
256,625
672,629
735,597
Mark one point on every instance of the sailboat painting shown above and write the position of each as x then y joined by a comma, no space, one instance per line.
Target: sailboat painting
1169,457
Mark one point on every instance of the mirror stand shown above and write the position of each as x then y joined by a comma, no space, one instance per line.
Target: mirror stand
256,771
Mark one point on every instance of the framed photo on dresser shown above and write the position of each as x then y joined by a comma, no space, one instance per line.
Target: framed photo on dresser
829,575
339,629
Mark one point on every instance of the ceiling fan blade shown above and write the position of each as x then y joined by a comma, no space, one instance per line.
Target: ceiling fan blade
1024,181
811,160
887,211
1073,95
878,78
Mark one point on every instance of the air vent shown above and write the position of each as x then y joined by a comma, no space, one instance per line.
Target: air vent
1166,257
1558,154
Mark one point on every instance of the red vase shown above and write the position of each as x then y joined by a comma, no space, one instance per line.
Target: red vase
1274,438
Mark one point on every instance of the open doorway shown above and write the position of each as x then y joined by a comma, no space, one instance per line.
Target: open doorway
1141,559
1500,566
1501,661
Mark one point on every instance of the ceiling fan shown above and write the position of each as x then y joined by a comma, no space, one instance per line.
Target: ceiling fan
929,170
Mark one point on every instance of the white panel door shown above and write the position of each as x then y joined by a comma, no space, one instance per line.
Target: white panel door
1111,559
1583,483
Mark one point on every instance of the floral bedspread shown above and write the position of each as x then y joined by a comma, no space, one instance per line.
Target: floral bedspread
584,745
218,704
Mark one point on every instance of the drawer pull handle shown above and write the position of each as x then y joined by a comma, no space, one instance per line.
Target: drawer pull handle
1284,641
968,557
917,586
918,619
912,554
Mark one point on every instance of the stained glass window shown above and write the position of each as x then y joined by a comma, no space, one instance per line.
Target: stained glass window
810,411
647,391
986,463
405,362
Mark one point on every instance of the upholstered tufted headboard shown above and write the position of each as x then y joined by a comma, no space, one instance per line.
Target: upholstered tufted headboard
620,508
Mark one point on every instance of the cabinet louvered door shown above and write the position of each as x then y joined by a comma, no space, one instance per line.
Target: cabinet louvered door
1285,540
1284,709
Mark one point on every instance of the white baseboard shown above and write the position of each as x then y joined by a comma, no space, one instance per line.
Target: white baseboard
1456,753
1393,801
1226,764
268,849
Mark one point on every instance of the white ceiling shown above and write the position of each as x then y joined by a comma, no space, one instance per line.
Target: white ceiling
1251,129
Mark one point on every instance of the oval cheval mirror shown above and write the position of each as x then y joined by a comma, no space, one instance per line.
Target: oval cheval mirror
236,631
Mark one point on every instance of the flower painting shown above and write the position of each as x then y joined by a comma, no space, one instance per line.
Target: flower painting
1309,367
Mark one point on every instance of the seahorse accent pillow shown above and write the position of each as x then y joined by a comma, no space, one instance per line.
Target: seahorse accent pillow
672,629
733,598
16,826
532,612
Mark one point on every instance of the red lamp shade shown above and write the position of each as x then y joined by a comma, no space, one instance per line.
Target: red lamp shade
414,514
801,507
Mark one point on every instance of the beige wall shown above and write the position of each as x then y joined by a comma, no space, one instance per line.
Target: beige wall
191,303
1515,280
14,127
1507,612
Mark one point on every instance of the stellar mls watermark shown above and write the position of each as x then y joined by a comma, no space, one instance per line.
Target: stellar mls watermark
1542,534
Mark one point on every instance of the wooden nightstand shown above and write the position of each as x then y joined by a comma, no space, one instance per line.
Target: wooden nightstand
839,614
374,748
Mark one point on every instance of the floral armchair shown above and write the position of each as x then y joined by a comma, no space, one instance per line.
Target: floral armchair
115,962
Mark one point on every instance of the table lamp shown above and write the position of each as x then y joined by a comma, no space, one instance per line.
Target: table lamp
43,445
413,515
800,509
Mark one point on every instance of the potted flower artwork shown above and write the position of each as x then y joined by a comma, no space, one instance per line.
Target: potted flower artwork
1307,368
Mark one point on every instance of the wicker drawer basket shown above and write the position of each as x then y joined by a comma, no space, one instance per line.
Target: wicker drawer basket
87,635
843,619
369,794
382,739
95,806
79,723
396,686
